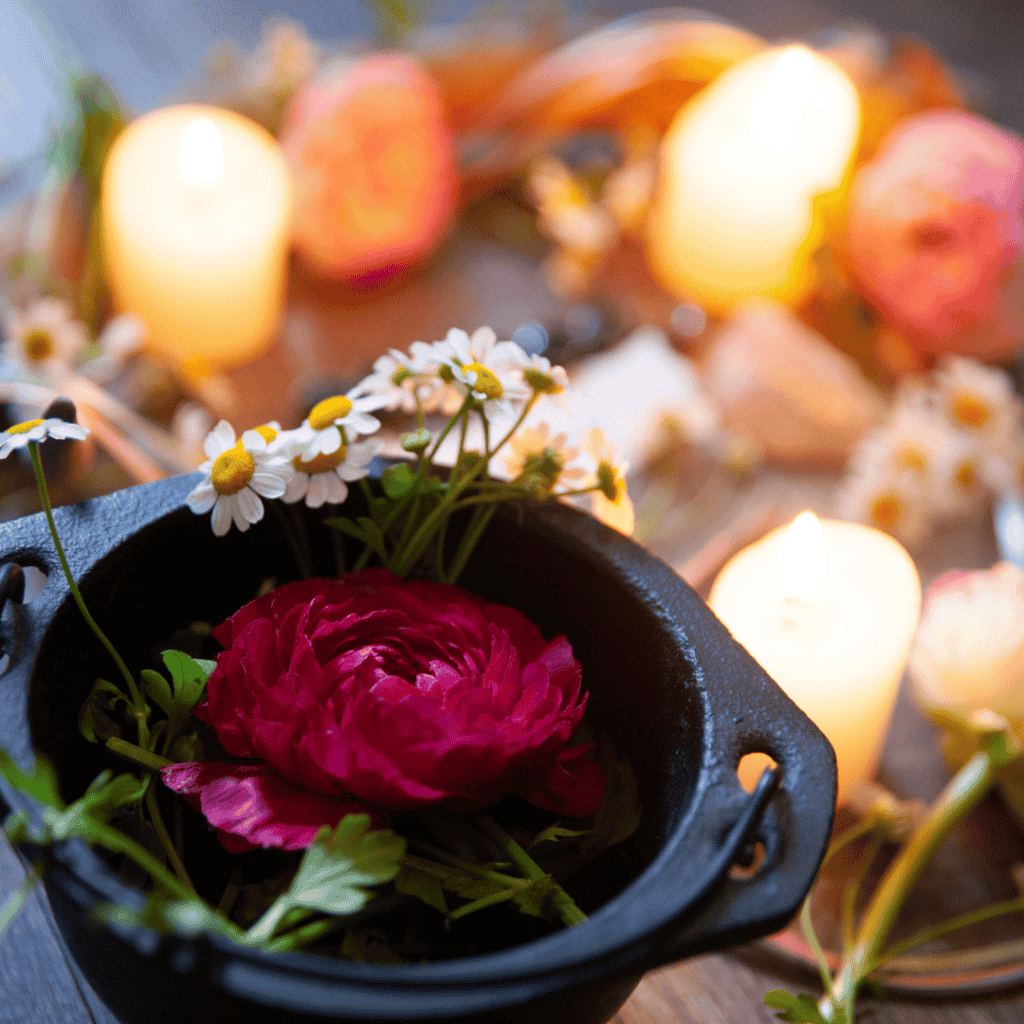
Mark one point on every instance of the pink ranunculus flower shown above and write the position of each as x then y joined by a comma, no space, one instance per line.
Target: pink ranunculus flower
936,233
399,695
373,165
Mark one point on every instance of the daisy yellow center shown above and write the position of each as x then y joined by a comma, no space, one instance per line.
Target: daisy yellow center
324,413
267,432
38,344
912,458
486,381
966,476
23,428
232,471
320,463
886,510
970,410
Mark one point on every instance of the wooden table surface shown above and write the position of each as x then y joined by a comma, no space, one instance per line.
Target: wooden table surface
150,51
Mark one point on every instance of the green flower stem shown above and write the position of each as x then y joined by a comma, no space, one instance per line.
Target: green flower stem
230,895
44,496
437,870
429,460
298,552
964,790
515,426
481,517
263,930
165,839
485,901
953,924
807,926
570,913
314,930
138,755
852,891
14,901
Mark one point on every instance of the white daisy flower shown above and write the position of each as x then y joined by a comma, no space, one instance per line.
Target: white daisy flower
401,379
910,443
548,460
122,336
543,377
325,478
21,434
611,503
488,368
334,421
958,486
238,474
45,338
887,500
978,399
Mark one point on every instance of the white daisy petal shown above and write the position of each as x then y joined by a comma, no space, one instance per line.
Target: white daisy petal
222,514
203,498
268,485
317,493
296,488
334,487
328,440
248,506
253,441
219,440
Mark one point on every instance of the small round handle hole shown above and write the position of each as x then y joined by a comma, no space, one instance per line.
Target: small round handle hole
748,863
751,767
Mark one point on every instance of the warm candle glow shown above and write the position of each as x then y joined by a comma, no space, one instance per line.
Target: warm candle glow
828,609
801,570
777,109
196,219
741,166
201,155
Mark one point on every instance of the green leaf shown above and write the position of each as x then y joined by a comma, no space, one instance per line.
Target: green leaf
555,832
374,537
95,722
97,804
410,882
618,817
157,688
189,676
346,525
535,899
801,1009
41,785
398,480
338,864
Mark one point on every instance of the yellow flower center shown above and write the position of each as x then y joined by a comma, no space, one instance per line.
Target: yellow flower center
970,410
886,511
324,413
23,428
267,432
966,476
38,344
232,471
320,463
912,458
486,382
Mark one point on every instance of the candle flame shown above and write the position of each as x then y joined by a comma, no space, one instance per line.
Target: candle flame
201,156
776,110
800,575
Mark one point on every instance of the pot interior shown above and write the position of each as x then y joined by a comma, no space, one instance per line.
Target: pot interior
548,562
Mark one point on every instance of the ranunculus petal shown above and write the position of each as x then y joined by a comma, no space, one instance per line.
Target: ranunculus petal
252,806
574,785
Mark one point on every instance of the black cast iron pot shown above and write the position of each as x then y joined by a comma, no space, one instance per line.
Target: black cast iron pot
666,679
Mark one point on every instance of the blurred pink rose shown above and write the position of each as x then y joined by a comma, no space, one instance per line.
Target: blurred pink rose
935,234
373,164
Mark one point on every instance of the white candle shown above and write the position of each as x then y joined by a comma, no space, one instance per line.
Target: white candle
196,215
741,166
829,611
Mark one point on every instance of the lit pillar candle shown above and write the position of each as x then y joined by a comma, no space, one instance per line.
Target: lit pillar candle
196,214
741,165
829,610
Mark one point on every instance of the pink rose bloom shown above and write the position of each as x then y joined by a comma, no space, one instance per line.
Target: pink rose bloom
373,165
935,230
397,694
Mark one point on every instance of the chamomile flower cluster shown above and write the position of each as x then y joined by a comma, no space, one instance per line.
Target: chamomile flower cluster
952,441
314,463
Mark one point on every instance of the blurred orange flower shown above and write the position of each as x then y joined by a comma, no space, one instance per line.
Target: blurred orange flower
374,167
935,233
